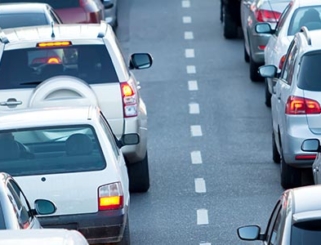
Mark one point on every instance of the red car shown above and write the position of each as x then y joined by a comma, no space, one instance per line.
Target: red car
74,11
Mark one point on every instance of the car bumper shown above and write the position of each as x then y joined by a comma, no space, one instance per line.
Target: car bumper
101,227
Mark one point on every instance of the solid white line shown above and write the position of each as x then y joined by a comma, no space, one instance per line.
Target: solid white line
200,186
192,85
186,4
202,217
191,69
196,130
189,53
187,19
205,243
196,157
194,108
188,35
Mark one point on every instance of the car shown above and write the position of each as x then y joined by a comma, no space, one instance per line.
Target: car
298,13
295,105
90,52
73,11
27,14
41,236
15,210
253,12
65,150
230,17
111,12
313,146
295,219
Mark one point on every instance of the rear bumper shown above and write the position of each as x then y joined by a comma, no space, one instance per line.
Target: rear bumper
257,40
100,227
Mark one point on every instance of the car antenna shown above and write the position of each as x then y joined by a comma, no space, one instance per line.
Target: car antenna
52,30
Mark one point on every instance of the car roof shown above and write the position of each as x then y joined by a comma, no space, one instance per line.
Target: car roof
41,236
67,32
6,8
35,117
315,38
303,3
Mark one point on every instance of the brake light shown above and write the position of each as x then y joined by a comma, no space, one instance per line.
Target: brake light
54,60
298,105
267,16
129,100
53,44
261,47
110,197
305,157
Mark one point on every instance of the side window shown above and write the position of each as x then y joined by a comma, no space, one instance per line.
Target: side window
282,19
109,134
20,204
276,232
272,221
288,67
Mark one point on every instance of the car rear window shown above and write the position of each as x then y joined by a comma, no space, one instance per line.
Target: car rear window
310,72
25,68
306,233
22,20
56,4
50,150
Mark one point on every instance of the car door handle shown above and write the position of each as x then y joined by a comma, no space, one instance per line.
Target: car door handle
10,103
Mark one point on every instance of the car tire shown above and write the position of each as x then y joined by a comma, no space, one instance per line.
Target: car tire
254,74
268,95
275,153
126,236
138,174
246,56
290,176
230,28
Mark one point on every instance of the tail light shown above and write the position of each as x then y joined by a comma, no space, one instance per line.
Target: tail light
110,197
305,157
129,100
298,106
267,16
261,47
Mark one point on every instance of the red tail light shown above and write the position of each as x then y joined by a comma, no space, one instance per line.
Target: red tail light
267,16
129,100
110,197
261,47
298,105
305,157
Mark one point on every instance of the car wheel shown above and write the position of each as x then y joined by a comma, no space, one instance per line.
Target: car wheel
138,174
275,153
229,26
126,236
290,176
268,95
246,56
254,74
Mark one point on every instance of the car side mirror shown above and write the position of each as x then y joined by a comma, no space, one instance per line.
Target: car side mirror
44,207
140,61
249,233
128,139
107,4
311,145
268,71
264,28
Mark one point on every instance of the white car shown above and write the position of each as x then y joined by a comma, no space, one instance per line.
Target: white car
71,155
41,237
298,13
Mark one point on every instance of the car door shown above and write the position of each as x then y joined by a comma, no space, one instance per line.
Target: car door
245,11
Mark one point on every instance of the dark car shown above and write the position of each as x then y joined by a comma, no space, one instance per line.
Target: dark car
73,11
230,17
27,14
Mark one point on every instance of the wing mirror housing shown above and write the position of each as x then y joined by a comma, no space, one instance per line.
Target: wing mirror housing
44,207
128,139
140,61
311,145
249,233
264,28
107,4
268,71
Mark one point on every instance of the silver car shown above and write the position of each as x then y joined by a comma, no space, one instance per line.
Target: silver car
295,219
111,12
253,12
295,105
15,211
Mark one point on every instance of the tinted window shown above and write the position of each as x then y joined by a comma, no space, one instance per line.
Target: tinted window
57,4
310,72
23,68
2,222
21,20
306,233
50,150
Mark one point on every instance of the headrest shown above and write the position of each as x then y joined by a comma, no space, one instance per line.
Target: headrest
79,144
9,149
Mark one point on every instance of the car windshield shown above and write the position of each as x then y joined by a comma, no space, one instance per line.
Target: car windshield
305,16
310,72
23,68
306,233
50,150
56,4
22,20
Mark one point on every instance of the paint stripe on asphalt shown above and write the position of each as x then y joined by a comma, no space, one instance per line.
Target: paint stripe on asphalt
192,85
196,130
194,108
187,19
202,217
186,4
190,69
196,157
200,186
189,53
188,35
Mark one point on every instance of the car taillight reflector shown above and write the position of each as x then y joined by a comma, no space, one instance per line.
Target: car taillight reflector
298,105
54,60
110,197
267,16
261,47
53,44
129,100
305,157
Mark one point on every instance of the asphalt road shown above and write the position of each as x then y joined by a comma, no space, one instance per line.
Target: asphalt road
209,131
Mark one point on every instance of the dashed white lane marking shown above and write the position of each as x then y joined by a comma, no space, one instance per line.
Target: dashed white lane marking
186,4
196,130
187,19
202,217
205,243
200,186
194,108
188,35
189,53
196,157
192,85
191,69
